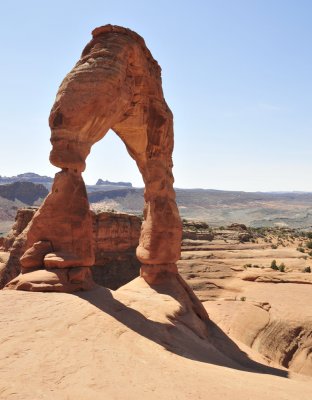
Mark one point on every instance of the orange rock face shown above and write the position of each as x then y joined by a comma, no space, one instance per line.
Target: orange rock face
64,219
22,219
114,233
116,84
115,238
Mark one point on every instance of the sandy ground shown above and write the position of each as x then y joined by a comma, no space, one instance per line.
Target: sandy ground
135,343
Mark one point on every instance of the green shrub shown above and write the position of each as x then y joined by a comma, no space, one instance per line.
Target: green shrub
282,267
274,246
274,265
243,298
309,244
307,269
301,249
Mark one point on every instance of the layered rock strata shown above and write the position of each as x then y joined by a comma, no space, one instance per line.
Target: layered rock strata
115,238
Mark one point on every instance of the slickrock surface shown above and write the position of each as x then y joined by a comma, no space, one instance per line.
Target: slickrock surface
67,280
130,344
265,309
274,320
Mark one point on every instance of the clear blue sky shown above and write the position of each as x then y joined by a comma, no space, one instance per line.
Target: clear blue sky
236,74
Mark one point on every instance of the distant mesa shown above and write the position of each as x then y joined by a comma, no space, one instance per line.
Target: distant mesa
26,177
97,196
26,192
109,183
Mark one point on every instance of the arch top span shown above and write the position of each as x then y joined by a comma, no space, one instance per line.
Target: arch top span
126,31
115,84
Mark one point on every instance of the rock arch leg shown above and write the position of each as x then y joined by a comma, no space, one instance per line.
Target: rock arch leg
160,240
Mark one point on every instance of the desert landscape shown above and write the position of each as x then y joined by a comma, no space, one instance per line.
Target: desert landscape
117,291
215,207
255,284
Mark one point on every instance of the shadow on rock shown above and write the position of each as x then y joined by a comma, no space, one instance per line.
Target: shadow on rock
177,335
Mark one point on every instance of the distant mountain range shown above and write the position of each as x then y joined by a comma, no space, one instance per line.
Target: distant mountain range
47,181
216,207
27,177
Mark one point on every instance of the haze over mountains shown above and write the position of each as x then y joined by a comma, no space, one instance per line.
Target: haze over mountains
216,207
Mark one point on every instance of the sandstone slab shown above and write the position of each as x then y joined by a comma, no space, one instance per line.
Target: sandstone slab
138,341
54,280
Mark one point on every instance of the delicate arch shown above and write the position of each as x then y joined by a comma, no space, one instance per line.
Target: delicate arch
115,84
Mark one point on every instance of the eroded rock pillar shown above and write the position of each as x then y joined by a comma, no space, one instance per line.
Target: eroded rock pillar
160,241
60,248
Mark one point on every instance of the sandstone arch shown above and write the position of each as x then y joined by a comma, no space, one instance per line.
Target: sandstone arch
116,84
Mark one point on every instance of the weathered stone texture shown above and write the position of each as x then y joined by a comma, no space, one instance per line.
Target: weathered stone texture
22,219
116,237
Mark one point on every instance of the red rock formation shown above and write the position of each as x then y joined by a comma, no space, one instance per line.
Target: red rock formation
15,245
116,84
116,237
64,219
114,232
22,219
